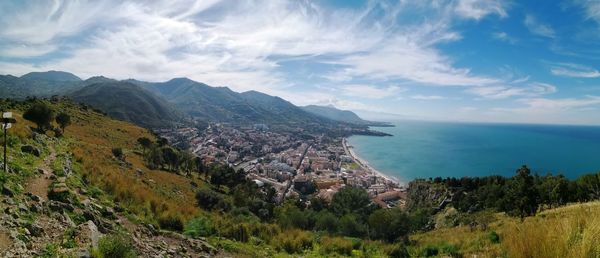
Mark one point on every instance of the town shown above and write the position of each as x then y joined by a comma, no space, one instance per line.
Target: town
294,164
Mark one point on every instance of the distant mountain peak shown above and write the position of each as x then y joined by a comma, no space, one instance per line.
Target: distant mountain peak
51,75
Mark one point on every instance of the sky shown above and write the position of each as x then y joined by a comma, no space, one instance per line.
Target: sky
463,60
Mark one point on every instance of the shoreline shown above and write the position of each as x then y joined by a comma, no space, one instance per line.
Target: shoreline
365,165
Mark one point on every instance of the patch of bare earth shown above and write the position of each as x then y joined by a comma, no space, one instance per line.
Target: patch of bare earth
5,241
39,185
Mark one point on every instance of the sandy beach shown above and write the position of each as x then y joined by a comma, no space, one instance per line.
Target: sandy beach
365,165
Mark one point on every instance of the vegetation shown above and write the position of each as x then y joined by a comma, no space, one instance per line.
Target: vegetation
496,216
114,246
63,120
41,114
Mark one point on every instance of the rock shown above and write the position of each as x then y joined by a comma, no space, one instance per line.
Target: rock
9,201
108,212
139,172
87,234
59,206
36,207
42,171
35,230
35,198
23,208
31,150
7,191
83,253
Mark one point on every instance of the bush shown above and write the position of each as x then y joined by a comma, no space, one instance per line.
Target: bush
237,231
450,249
171,222
114,246
397,251
337,245
118,153
210,200
293,241
429,251
199,227
494,237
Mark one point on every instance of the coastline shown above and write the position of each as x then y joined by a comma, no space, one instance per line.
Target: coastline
365,165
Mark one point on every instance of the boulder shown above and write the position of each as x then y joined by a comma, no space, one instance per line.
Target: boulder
7,191
31,150
35,230
87,234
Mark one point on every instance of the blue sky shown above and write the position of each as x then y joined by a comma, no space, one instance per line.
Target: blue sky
463,60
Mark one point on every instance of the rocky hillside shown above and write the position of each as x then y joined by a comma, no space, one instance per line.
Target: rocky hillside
57,198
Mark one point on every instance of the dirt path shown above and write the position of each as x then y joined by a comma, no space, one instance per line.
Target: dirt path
39,185
5,241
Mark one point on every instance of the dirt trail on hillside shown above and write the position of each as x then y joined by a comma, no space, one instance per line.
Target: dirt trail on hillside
39,185
5,241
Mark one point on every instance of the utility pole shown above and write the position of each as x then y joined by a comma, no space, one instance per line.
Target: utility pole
7,122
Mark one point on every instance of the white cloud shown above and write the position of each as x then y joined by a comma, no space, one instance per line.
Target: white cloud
427,97
237,43
371,92
574,70
506,91
503,36
565,103
477,9
538,28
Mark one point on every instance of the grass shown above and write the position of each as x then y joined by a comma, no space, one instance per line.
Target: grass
569,231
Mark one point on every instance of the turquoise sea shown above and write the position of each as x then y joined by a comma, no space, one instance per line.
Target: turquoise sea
421,149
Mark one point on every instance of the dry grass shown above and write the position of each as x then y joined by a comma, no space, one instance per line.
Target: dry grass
91,136
571,231
151,195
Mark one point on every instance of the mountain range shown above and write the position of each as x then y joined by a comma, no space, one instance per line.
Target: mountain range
157,104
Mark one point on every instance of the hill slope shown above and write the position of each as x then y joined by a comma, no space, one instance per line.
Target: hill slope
128,102
224,105
56,76
39,84
335,114
100,197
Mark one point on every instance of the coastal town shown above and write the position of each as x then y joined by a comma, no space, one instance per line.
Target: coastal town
295,165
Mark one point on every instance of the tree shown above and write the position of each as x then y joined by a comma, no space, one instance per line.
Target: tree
145,143
63,120
171,157
349,225
41,114
522,193
389,224
351,200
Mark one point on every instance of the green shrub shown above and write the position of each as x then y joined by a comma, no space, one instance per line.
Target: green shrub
170,222
293,241
494,237
337,245
114,246
450,249
199,227
50,251
397,251
237,231
429,251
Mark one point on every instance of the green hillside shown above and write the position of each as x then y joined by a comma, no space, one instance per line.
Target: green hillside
335,114
128,102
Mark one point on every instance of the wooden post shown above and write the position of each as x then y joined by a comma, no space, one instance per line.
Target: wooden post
7,122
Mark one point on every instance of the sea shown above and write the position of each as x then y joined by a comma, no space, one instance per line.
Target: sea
424,149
